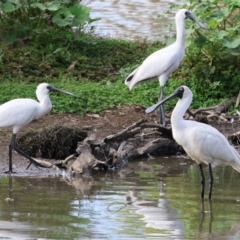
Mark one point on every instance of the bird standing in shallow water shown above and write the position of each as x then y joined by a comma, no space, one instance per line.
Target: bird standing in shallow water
163,62
19,112
202,143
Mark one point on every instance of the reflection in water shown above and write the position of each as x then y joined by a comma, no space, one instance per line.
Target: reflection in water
12,228
17,230
160,199
203,216
234,232
135,19
160,217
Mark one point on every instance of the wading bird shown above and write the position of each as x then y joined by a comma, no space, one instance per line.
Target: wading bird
19,112
163,62
202,143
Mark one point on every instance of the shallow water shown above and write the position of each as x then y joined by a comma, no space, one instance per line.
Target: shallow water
135,19
148,199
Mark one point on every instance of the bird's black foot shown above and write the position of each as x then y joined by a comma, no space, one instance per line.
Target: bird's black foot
29,165
10,172
162,124
37,165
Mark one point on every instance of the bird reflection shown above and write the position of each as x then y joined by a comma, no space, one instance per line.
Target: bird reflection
202,216
9,199
165,217
156,214
233,233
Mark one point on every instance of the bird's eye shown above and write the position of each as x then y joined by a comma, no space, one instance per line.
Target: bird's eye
181,89
186,14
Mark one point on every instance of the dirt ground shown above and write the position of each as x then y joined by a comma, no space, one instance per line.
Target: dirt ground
103,124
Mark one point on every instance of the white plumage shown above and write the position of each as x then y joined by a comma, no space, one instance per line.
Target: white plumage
163,62
19,112
202,143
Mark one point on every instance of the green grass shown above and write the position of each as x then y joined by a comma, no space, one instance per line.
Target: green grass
97,79
94,97
89,97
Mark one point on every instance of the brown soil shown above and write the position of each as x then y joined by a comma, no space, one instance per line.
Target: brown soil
103,124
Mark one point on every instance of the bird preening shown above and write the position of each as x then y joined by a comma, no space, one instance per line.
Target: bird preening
163,62
19,112
203,143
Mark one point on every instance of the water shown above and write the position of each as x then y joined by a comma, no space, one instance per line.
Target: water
149,199
135,19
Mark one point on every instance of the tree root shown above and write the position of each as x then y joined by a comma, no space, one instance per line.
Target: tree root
216,112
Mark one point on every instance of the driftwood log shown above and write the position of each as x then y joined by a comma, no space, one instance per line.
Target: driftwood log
141,139
217,112
138,140
234,138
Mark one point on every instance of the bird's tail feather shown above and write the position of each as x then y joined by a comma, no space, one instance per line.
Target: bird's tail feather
236,164
129,79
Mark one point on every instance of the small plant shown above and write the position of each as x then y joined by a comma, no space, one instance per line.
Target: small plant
221,41
211,64
20,19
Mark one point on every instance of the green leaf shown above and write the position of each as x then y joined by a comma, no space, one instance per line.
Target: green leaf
9,38
225,11
233,44
234,52
81,14
14,1
212,23
8,7
221,34
57,50
212,69
200,41
52,6
39,5
62,17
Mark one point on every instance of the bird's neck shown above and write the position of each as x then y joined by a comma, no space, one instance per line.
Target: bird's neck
45,104
179,111
180,26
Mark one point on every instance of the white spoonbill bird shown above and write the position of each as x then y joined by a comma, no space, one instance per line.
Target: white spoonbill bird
202,143
19,112
163,62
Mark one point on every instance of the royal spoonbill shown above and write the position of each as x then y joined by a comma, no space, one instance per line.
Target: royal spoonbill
163,62
19,112
203,143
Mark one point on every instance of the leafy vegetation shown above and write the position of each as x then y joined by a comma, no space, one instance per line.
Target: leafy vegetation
44,49
212,56
21,19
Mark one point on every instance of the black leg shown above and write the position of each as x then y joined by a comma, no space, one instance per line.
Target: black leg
210,181
161,108
202,180
10,154
12,146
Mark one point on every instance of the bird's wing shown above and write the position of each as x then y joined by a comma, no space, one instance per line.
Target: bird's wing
156,64
17,112
207,144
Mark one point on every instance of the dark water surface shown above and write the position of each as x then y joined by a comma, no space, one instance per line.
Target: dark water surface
148,199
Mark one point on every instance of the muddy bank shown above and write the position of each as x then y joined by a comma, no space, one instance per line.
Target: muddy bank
107,123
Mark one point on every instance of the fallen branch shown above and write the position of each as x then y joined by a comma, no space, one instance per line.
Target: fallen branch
238,100
234,138
214,112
